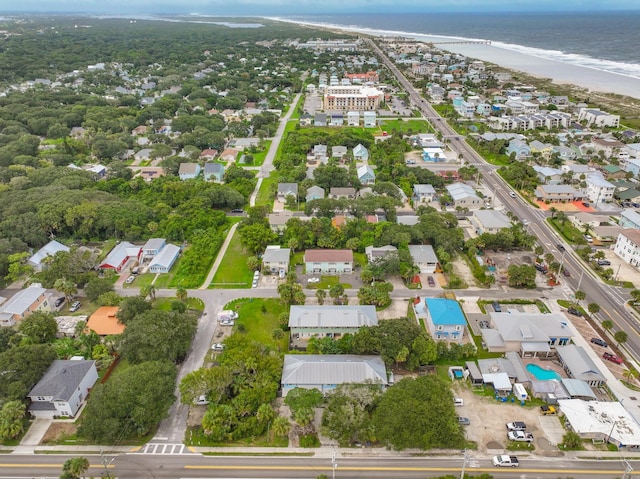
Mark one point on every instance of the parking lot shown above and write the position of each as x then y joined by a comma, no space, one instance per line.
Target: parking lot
489,418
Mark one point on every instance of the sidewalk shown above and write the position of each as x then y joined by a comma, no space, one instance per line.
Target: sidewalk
221,253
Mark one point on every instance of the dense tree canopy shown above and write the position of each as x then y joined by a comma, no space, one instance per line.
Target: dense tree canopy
130,404
157,336
418,413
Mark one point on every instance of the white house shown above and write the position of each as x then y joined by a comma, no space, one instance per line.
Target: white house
598,118
424,257
276,259
627,246
423,193
464,196
599,190
163,261
63,388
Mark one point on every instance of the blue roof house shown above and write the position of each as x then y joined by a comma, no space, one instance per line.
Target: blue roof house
443,318
213,172
520,148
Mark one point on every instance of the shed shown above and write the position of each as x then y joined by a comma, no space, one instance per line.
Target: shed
475,376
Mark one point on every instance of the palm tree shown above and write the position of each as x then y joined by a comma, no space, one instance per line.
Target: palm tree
281,426
635,295
66,287
553,211
607,324
321,294
75,468
182,294
12,419
593,308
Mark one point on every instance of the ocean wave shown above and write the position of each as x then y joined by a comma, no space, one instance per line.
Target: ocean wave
619,68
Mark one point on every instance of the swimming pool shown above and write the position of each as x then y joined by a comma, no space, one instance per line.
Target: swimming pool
542,374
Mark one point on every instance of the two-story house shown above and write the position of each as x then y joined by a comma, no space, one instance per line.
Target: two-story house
188,171
63,388
328,261
443,318
627,246
23,303
275,260
423,193
599,190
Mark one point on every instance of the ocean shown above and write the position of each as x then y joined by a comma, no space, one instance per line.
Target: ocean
594,50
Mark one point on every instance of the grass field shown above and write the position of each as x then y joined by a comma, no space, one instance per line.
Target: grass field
233,271
257,318
264,197
416,126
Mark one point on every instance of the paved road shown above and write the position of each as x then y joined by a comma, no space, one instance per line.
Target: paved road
173,466
611,299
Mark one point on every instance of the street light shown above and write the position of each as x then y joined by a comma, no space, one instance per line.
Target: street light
465,458
334,464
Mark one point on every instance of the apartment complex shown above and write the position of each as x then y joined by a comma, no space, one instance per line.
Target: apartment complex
355,98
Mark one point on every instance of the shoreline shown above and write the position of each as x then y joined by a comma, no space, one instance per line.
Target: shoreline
584,77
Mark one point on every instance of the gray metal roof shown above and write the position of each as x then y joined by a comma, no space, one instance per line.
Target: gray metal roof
21,301
166,256
50,249
578,388
332,316
459,191
314,369
492,219
154,244
62,379
579,363
424,189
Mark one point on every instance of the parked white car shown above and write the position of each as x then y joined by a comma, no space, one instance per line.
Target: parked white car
130,279
313,280
202,401
227,322
217,347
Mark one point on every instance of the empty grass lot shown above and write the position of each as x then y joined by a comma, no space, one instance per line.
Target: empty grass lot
416,126
233,271
258,318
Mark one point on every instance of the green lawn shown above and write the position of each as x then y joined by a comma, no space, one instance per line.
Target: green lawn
570,232
233,271
326,282
402,126
258,158
257,318
297,108
265,195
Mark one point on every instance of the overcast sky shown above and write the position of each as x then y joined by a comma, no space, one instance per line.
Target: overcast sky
293,7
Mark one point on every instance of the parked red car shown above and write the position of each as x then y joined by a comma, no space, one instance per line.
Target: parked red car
613,358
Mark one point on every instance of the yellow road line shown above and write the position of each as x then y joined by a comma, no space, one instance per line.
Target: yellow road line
110,466
410,469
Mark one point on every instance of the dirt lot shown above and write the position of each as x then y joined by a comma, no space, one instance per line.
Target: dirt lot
488,419
59,430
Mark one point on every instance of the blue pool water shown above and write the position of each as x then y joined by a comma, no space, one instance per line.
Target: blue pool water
542,374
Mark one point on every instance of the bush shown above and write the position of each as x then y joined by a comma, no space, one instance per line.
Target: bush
309,440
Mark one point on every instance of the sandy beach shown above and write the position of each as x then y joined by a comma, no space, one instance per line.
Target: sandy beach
584,77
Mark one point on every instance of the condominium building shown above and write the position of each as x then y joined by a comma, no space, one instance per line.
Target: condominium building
355,98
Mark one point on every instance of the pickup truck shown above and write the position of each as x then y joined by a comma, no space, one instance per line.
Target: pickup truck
516,426
520,436
547,410
505,461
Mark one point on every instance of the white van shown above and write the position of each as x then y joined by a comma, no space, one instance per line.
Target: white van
227,315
